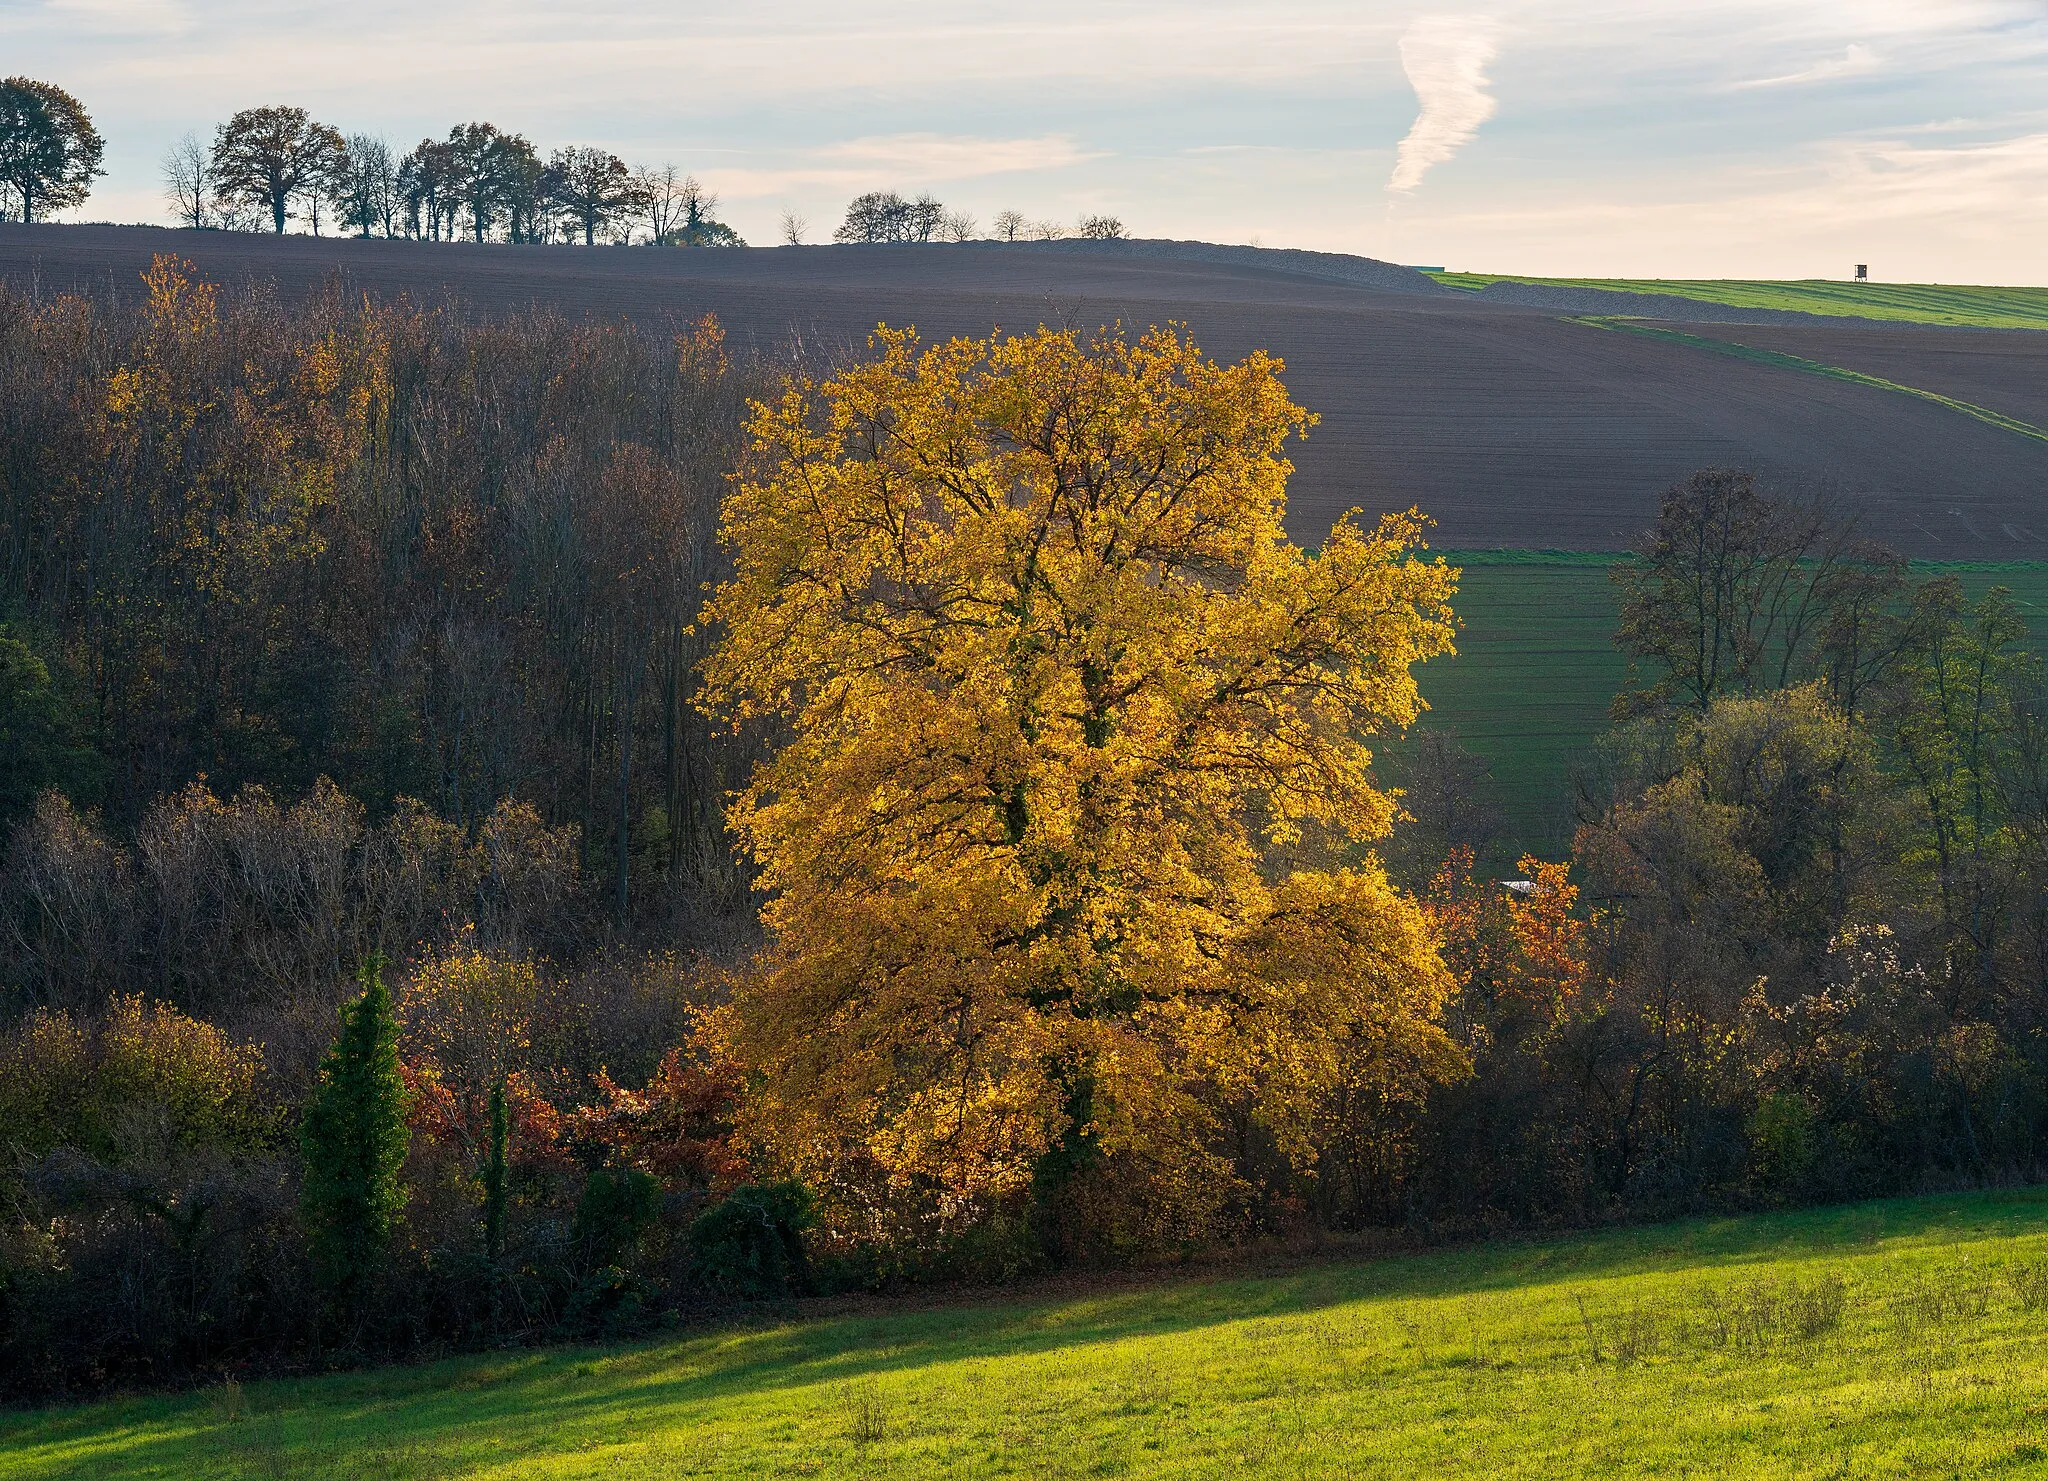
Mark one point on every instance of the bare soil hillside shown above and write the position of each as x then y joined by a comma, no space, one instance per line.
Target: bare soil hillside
1513,426
2003,369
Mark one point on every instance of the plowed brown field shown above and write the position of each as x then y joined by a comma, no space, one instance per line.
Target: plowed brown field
2005,370
1511,426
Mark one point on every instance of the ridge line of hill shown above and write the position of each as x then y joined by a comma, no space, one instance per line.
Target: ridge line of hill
1376,273
1338,267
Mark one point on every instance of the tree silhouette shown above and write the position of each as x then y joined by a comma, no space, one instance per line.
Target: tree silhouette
594,188
49,150
188,182
267,158
495,173
366,187
426,185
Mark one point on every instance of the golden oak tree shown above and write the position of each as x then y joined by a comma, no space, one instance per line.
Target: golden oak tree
1057,693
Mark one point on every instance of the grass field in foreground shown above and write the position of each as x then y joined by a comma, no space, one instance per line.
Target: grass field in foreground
1903,1338
1537,668
1917,303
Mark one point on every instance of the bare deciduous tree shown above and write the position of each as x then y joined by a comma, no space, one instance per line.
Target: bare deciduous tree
699,227
661,196
1009,225
793,228
924,219
1102,229
188,182
426,187
1732,591
366,186
958,226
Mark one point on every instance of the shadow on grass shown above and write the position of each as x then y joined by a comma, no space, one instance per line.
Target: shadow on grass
500,1408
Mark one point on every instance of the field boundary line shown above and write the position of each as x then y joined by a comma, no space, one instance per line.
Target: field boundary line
1783,361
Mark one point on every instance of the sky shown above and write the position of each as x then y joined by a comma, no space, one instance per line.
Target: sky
1716,138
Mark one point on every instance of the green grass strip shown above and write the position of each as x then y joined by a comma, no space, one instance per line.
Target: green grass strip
1505,556
1804,366
1998,568
1957,305
1905,1338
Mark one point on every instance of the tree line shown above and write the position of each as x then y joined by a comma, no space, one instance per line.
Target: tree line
885,218
1806,956
516,829
270,166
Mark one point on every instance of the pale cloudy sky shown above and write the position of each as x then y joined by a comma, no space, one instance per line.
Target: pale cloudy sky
1768,138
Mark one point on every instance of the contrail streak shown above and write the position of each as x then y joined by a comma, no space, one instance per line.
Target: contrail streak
1445,58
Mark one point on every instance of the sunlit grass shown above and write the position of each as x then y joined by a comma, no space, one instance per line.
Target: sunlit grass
1899,1338
1918,303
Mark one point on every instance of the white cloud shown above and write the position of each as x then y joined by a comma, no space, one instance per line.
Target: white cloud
1445,58
1663,136
1855,62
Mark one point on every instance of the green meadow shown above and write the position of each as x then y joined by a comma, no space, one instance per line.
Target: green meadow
1900,1338
1537,668
1918,303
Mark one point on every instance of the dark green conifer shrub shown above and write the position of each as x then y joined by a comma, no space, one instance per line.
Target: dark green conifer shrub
354,1139
614,1212
751,1245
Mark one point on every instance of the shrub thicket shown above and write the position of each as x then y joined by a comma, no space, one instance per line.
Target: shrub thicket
352,630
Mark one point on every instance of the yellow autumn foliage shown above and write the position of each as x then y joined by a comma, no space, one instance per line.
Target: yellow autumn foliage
1058,692
257,466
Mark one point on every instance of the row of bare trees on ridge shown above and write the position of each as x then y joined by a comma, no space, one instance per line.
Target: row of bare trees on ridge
271,166
267,167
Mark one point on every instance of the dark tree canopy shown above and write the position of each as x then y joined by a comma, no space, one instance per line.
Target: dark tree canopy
427,190
496,174
883,216
592,188
267,158
49,150
366,185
